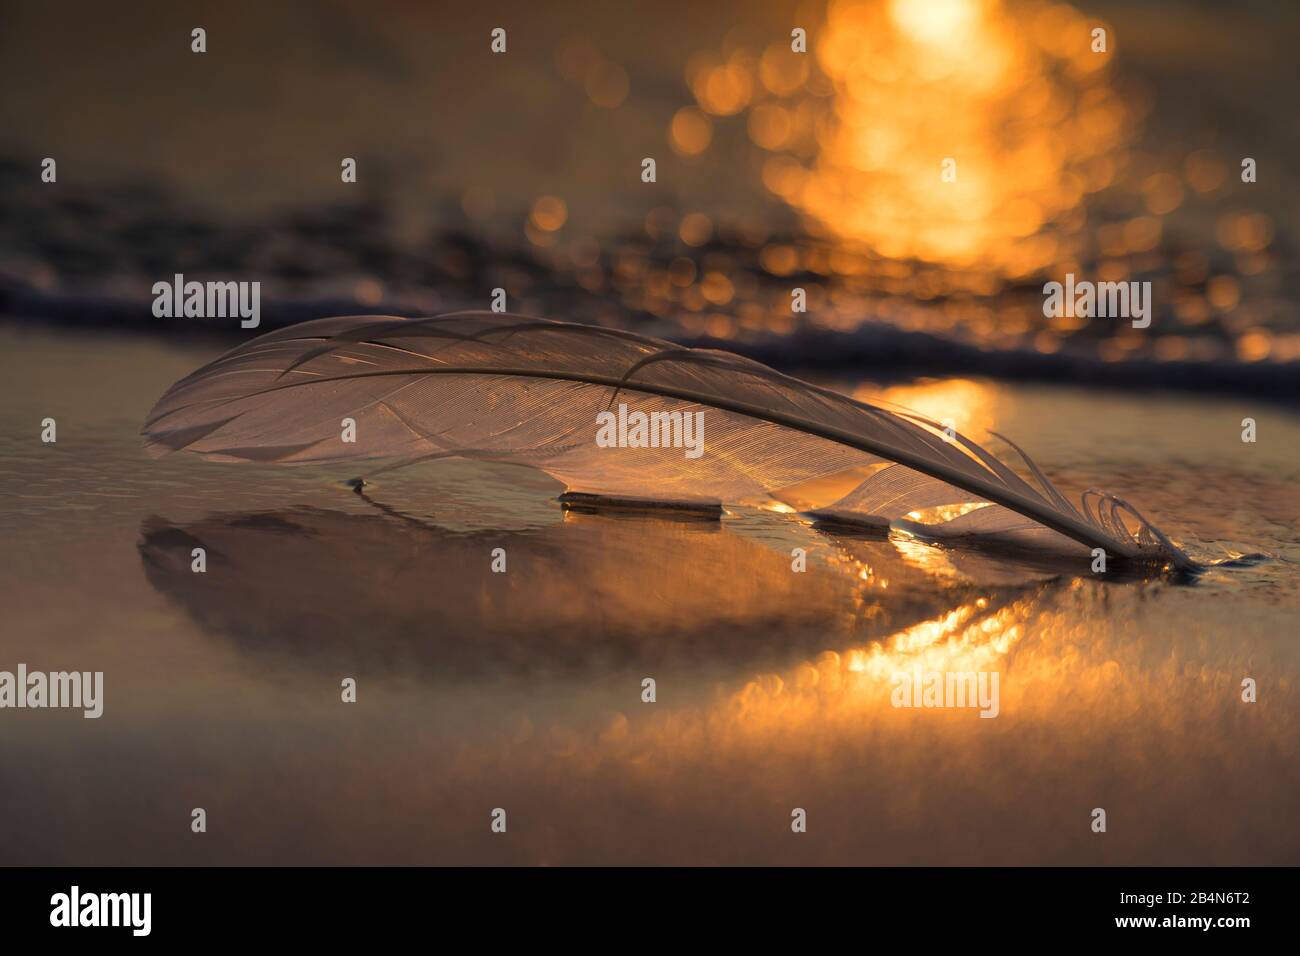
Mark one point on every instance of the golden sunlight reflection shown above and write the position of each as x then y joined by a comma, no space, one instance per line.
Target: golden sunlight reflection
1023,118
1055,671
937,160
855,685
941,513
969,407
949,131
830,692
936,562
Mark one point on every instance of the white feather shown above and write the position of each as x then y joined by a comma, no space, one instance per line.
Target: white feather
528,391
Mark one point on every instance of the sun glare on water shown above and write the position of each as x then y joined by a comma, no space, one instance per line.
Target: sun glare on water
958,132
944,23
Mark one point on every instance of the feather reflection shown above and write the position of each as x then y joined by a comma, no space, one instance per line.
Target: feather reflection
317,588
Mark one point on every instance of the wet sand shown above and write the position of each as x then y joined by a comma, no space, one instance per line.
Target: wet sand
522,690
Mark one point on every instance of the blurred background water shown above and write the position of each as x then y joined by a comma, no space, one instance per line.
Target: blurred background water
774,170
522,690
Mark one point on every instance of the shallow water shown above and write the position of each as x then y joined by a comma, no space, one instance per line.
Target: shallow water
522,690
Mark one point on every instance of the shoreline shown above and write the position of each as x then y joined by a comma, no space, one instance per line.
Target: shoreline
883,351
